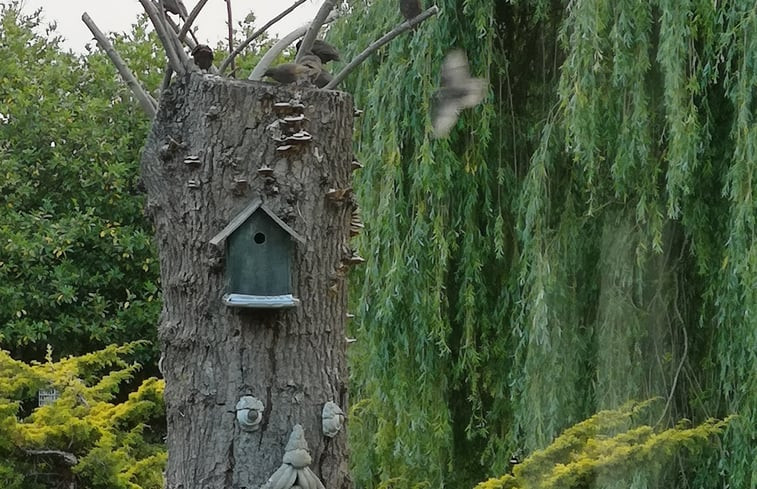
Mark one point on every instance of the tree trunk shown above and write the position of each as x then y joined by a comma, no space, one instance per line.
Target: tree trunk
293,360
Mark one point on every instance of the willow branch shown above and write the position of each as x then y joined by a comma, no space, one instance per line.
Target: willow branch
148,103
176,57
405,26
315,26
678,372
276,49
190,20
256,34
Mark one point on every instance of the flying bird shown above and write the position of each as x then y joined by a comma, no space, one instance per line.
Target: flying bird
175,7
410,8
203,56
308,69
458,91
325,51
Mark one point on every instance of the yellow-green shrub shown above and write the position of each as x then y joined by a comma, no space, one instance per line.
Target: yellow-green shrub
116,445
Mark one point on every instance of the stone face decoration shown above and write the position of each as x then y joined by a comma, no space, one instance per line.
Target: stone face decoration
249,413
294,471
332,419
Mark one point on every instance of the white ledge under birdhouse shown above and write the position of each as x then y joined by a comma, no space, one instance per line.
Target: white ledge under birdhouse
259,254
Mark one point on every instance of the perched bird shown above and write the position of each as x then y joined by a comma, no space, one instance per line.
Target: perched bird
313,66
457,91
203,56
410,8
323,79
325,51
286,72
175,7
308,69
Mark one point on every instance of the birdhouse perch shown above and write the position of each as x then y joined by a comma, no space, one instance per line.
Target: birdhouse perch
259,251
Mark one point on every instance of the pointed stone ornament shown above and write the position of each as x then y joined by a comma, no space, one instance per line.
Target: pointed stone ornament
295,470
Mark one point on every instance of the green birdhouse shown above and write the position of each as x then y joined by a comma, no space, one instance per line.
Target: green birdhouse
259,254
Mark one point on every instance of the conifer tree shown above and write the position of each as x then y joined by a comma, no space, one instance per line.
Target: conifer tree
61,426
77,267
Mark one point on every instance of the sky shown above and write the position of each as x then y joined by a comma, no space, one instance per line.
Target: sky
118,15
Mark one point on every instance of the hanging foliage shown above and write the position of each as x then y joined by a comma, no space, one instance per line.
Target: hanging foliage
584,237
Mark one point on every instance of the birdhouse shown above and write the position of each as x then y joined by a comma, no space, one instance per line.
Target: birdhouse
259,251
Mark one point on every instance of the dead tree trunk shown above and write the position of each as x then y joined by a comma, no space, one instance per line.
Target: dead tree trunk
218,148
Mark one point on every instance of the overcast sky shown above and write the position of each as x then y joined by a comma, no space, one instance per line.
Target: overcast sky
118,15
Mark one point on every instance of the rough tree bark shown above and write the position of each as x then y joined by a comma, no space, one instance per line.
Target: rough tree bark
291,359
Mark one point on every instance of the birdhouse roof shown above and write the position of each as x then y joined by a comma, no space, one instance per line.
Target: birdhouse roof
240,218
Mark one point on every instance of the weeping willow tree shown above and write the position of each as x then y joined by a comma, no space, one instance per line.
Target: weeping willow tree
584,237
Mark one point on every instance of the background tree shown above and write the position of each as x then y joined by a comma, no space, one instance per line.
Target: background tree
584,237
77,267
78,270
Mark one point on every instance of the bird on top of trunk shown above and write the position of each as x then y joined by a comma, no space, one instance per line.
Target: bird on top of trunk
203,56
175,7
458,91
325,51
323,79
410,8
307,69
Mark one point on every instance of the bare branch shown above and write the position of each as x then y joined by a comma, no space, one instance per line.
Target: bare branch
176,57
164,18
148,103
68,458
190,20
231,31
405,26
315,26
189,42
276,49
255,35
166,78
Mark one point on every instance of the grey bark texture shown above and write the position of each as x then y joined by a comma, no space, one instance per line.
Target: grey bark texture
292,359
